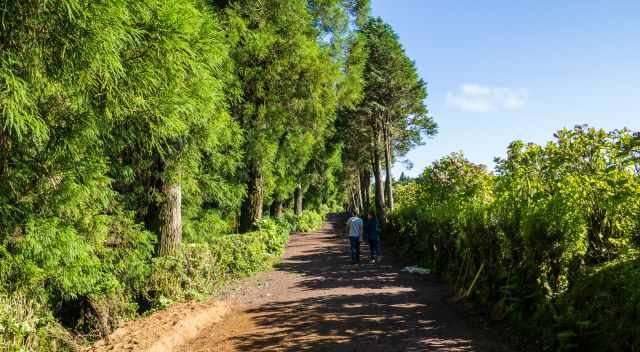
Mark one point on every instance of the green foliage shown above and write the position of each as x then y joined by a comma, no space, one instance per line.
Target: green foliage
56,258
387,118
394,94
103,105
56,266
289,84
26,325
600,311
209,223
542,230
308,221
202,267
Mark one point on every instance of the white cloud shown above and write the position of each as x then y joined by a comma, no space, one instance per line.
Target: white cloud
479,98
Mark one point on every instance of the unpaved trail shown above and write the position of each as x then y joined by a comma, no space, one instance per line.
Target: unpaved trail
315,301
164,330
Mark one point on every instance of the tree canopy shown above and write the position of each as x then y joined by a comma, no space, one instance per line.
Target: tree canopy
128,128
390,117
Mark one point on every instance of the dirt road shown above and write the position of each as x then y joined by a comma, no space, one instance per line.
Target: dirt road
316,301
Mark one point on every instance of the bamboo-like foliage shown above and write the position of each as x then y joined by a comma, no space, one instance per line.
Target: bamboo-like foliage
128,125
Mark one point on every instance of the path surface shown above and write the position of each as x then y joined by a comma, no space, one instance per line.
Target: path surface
315,301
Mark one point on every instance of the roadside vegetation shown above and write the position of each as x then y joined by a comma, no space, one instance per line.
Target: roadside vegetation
151,151
548,242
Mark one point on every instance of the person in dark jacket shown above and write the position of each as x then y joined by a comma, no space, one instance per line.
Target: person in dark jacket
372,231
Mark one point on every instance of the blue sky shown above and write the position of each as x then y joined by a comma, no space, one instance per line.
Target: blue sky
504,70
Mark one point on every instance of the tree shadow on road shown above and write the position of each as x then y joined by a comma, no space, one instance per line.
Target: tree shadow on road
364,322
357,308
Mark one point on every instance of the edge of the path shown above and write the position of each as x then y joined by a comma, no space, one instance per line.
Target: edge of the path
167,329
164,330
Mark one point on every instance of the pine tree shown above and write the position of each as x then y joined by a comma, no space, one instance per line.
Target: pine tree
393,103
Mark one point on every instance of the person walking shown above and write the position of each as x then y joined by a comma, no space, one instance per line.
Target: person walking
355,230
372,231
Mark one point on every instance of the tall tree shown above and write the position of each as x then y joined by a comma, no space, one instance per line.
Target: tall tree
282,77
288,57
168,109
109,96
393,101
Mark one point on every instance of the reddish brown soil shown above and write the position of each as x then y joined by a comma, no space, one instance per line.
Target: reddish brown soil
316,301
164,330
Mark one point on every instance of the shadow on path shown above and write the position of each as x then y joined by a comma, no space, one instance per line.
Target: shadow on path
334,306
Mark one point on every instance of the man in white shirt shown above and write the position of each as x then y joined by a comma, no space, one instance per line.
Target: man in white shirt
354,229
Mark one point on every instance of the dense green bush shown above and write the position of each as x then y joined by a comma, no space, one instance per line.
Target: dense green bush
212,260
526,241
207,223
202,267
52,275
600,311
27,325
309,220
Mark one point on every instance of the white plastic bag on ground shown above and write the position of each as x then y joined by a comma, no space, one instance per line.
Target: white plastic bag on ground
416,270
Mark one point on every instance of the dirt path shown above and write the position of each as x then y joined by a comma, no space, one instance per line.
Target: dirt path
315,301
164,330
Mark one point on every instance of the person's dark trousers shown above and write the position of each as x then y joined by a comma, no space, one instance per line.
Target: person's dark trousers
374,247
355,249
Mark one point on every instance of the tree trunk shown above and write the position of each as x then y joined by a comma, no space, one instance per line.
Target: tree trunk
380,206
388,160
357,204
276,208
251,210
365,185
352,206
298,199
358,189
170,218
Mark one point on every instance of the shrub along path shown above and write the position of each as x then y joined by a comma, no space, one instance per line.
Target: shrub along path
315,301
